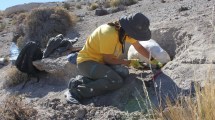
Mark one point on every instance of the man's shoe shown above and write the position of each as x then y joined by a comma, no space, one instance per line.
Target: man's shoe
74,82
71,98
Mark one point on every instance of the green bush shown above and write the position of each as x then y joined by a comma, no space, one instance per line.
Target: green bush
43,23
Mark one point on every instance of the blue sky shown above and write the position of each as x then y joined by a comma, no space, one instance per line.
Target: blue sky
9,3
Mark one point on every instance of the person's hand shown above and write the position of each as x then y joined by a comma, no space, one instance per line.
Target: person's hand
135,63
156,63
126,62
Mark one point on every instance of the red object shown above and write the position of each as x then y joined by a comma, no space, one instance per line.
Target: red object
156,75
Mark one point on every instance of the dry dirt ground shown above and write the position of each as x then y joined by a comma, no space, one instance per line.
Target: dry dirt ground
184,28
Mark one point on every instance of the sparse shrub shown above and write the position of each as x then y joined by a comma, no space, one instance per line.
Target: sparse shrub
18,32
11,15
115,3
84,3
17,9
78,6
13,108
18,19
117,9
1,13
1,17
14,77
66,5
44,23
106,4
20,42
2,26
93,6
200,107
129,2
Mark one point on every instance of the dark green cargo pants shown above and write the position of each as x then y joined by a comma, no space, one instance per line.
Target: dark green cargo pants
101,78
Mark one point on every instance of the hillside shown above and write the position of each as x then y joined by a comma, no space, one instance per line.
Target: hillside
184,28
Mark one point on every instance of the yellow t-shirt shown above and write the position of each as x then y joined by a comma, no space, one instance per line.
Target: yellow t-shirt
103,40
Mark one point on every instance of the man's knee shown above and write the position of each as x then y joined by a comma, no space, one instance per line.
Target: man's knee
121,70
115,79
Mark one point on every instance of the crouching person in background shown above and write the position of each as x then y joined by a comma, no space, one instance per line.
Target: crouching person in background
99,61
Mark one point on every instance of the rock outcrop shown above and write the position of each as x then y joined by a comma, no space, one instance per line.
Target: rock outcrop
58,67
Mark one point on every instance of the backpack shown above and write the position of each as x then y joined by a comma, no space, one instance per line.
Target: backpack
28,54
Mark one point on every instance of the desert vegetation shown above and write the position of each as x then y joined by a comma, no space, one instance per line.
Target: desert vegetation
191,108
2,23
13,108
115,3
47,22
15,10
2,26
178,24
94,4
43,23
66,5
14,77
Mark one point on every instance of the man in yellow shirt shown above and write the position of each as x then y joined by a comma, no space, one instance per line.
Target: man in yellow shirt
99,61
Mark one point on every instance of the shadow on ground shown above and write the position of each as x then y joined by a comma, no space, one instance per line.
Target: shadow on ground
34,89
134,96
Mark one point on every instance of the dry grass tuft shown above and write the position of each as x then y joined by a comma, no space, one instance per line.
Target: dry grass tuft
14,77
20,42
93,6
1,13
66,5
43,23
13,108
11,15
78,6
116,3
20,18
2,23
2,26
200,107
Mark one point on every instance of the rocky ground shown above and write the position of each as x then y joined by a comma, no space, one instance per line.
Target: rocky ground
184,28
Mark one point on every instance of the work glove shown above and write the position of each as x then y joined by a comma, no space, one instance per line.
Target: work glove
135,63
156,63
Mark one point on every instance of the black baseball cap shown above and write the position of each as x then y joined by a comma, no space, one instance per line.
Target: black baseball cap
136,25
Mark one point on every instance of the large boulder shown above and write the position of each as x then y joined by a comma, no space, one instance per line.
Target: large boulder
59,67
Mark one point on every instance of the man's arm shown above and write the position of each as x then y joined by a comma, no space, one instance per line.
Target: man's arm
140,49
110,59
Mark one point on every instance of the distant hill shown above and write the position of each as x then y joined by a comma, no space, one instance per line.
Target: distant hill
27,7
